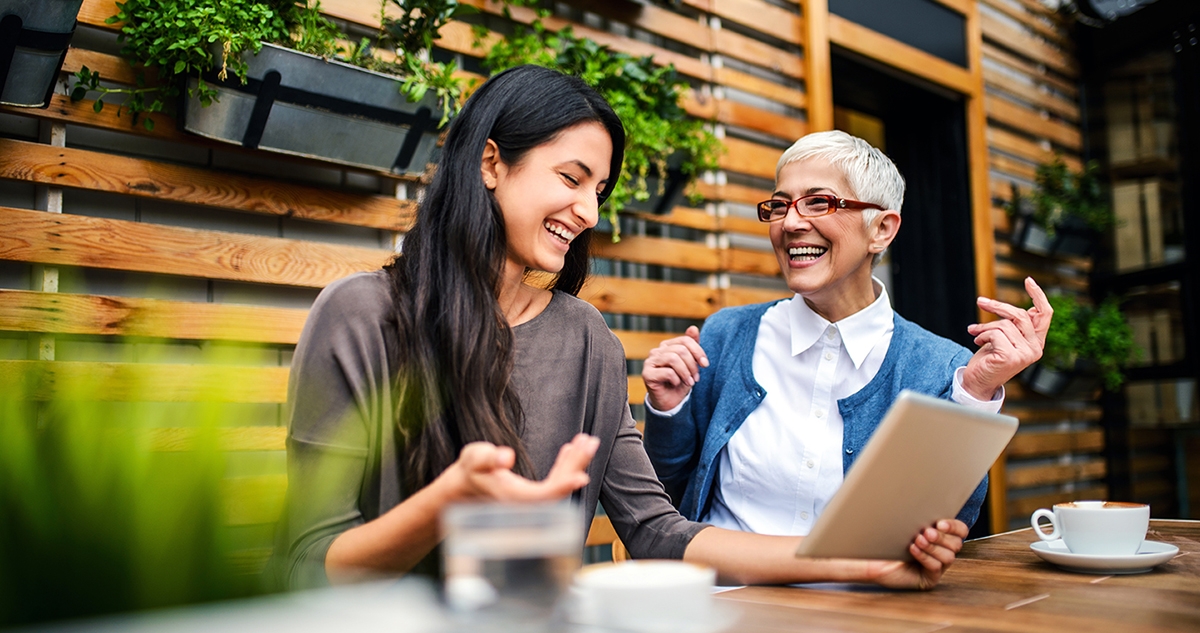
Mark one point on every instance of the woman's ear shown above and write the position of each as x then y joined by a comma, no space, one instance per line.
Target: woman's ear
883,230
492,165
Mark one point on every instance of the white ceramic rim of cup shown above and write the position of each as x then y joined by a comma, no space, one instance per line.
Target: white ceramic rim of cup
1104,505
647,574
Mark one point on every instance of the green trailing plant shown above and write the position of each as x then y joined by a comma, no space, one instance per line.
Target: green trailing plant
1097,335
191,38
644,95
1060,193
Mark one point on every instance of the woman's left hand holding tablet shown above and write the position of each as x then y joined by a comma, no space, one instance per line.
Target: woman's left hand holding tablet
933,551
483,471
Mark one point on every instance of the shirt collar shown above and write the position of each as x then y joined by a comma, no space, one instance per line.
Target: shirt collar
860,331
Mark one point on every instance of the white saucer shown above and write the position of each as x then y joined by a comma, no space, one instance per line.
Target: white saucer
1150,554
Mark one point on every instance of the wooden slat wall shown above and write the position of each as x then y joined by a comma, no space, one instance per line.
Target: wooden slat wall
247,229
120,244
1030,79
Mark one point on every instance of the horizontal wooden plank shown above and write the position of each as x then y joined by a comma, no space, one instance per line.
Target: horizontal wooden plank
95,12
1050,415
62,313
1081,264
253,500
637,390
735,193
1066,85
1027,149
1008,270
98,171
658,251
746,157
1055,442
996,80
1022,507
1028,46
901,56
240,439
1023,118
63,110
638,296
1036,21
638,344
761,16
740,260
1048,474
72,240
145,382
681,216
1012,166
745,226
738,114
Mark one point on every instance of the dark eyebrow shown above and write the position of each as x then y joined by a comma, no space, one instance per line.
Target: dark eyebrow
586,170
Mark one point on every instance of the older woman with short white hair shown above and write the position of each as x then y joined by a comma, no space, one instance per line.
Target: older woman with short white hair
752,422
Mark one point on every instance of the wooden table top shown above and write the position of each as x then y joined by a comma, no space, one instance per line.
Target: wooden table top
998,584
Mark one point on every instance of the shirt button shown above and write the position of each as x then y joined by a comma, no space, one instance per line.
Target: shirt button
819,414
810,463
828,355
832,334
804,515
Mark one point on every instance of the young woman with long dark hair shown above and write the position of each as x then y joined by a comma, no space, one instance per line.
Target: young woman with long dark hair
453,374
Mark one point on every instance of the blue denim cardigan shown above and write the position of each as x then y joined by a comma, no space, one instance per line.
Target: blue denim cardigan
684,447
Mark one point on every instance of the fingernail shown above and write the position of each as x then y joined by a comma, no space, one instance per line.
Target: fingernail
704,361
690,382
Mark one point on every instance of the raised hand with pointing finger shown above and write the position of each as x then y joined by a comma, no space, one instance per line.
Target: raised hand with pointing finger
672,369
1008,344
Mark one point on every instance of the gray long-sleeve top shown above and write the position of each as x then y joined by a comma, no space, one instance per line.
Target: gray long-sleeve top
343,465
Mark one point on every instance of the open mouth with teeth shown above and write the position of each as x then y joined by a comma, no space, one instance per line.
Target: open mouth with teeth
806,253
558,231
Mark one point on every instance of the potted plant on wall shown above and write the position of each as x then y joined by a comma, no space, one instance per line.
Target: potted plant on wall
1086,348
1064,214
34,35
664,148
270,74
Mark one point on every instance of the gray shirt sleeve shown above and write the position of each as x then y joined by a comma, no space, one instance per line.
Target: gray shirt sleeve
338,397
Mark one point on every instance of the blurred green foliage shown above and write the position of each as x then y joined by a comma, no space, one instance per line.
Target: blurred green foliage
643,94
1098,335
95,519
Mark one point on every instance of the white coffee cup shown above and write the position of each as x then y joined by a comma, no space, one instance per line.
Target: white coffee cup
648,596
1101,528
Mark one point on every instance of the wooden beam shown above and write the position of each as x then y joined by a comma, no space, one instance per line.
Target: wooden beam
1068,110
1040,73
660,298
1055,443
747,157
898,55
144,382
97,171
1028,46
1030,121
61,313
658,251
817,36
72,240
238,439
1052,474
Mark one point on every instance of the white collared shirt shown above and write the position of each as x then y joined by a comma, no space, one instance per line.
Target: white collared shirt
784,464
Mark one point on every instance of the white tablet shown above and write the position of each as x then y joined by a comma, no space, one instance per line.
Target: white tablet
921,465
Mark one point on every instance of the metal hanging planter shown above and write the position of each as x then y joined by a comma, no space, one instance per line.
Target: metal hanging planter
304,105
34,35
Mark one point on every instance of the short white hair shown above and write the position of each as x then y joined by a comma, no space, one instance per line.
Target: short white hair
872,176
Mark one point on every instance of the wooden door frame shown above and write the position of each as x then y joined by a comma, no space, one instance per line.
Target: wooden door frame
823,29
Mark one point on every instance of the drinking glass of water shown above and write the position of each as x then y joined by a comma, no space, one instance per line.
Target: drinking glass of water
507,566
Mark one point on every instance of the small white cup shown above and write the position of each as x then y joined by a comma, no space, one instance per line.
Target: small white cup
1099,528
650,596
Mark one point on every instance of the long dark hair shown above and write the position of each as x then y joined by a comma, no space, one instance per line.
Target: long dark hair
456,347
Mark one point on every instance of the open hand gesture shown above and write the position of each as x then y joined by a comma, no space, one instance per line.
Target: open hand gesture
1007,345
672,369
483,471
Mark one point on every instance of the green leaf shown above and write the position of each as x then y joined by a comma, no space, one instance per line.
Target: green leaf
98,106
148,123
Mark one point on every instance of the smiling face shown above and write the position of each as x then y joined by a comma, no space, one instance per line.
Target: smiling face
827,259
550,196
